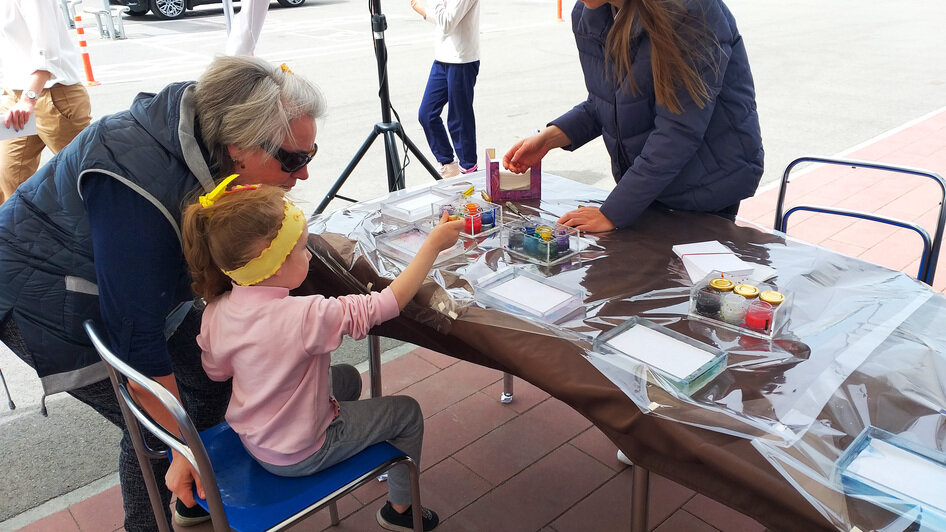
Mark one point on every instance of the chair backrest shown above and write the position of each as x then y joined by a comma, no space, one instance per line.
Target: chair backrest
931,245
190,446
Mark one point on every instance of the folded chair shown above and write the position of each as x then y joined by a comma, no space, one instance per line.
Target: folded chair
241,495
931,245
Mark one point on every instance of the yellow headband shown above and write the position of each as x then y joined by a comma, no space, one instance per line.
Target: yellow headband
272,258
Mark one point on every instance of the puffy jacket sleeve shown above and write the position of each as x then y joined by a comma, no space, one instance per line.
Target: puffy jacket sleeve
328,320
580,124
675,137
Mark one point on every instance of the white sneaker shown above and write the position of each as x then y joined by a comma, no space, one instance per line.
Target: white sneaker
450,169
623,458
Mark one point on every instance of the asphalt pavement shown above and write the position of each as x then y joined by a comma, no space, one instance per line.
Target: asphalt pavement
829,76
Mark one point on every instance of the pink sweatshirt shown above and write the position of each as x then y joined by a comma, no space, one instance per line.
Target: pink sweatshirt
277,348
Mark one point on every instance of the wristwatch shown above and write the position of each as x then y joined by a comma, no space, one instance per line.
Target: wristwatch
30,94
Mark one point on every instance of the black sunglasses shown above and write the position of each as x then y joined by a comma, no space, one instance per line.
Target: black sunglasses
293,161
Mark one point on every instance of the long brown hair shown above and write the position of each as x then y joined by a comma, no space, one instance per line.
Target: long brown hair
679,47
228,234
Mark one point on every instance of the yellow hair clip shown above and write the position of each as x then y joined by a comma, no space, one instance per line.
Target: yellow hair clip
208,199
285,68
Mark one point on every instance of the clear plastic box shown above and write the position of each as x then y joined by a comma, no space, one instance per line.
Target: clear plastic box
403,244
540,241
480,216
548,301
407,207
757,315
675,359
897,474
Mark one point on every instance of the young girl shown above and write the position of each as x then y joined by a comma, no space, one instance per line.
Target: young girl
246,249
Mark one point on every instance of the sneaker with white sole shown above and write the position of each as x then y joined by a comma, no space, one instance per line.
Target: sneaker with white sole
184,516
450,169
470,170
389,519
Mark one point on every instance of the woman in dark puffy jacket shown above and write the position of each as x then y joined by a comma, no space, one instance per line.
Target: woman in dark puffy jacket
671,93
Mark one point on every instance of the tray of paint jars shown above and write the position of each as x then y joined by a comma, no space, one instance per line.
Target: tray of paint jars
540,241
407,207
548,301
898,474
749,308
480,217
675,360
403,244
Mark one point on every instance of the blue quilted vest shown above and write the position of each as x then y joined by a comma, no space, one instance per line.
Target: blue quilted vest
47,275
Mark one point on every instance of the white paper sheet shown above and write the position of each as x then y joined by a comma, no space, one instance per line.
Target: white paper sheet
660,351
413,204
902,471
701,258
10,133
531,294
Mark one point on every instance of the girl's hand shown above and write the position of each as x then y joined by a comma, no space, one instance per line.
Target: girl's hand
589,219
524,154
445,233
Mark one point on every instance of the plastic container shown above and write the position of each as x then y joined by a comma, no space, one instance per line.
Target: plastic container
403,244
676,360
481,217
756,310
540,241
897,474
548,301
406,207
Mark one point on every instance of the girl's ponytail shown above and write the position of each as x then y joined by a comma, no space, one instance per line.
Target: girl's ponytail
208,281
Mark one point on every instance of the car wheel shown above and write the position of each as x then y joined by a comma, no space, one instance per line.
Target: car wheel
291,3
167,9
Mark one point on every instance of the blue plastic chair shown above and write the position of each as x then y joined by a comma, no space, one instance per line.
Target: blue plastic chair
241,495
931,245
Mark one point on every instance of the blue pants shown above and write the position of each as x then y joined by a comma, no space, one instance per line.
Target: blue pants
450,84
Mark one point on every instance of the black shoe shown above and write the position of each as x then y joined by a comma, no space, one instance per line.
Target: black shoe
184,516
389,518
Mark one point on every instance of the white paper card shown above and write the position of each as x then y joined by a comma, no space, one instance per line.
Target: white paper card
10,133
531,294
413,204
700,258
903,472
660,351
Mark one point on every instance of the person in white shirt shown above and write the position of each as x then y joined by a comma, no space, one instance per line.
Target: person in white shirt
40,75
247,27
451,81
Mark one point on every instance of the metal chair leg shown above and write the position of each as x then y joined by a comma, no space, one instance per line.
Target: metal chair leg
9,397
640,485
506,396
333,513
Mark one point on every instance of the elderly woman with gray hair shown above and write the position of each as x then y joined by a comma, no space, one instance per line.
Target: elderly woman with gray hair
94,235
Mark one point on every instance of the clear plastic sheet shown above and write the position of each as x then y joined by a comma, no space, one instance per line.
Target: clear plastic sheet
859,346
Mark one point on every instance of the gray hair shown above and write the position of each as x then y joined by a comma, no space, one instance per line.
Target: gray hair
247,102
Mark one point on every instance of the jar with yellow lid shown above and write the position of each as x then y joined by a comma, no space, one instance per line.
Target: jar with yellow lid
772,297
747,291
721,284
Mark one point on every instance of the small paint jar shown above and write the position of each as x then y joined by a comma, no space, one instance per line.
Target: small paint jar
772,297
544,232
473,225
531,244
488,219
562,240
472,208
516,239
747,291
708,301
759,315
722,285
733,308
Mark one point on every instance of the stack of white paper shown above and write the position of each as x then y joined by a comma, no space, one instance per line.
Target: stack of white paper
701,258
7,133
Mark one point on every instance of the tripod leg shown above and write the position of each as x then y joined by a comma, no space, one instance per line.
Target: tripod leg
348,170
411,147
395,173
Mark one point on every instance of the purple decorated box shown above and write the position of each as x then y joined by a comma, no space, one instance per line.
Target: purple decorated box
507,186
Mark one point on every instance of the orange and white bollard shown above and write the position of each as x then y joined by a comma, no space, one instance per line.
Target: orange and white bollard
559,10
90,80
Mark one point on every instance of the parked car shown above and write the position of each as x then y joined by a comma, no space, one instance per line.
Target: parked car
171,9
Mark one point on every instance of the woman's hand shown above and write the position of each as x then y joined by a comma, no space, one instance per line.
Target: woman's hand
589,219
529,151
179,479
445,233
19,115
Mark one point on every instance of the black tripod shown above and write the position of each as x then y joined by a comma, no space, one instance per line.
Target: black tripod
390,129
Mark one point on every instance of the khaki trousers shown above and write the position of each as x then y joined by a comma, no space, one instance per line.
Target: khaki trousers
62,111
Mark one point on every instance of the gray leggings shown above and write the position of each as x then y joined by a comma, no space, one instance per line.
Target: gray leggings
396,419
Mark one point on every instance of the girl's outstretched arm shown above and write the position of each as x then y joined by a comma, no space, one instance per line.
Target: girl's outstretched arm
444,235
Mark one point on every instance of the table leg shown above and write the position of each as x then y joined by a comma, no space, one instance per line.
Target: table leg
506,396
640,485
374,364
